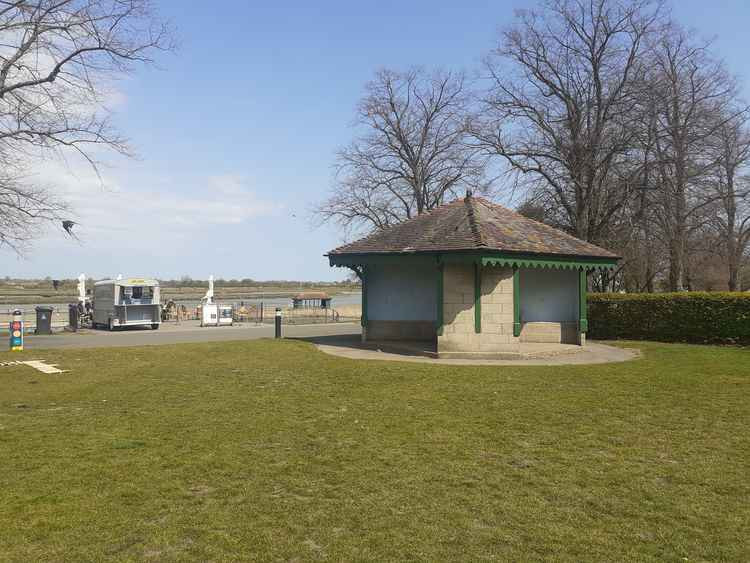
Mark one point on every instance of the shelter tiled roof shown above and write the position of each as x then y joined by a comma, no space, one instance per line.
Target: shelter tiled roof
476,224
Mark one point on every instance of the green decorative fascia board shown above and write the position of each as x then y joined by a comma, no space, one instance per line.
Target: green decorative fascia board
487,258
531,261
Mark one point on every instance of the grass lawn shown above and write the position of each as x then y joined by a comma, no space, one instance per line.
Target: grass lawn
273,451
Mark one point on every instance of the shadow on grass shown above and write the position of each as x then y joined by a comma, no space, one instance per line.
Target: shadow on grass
425,349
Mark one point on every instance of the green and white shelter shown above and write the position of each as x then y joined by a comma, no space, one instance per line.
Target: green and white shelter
475,278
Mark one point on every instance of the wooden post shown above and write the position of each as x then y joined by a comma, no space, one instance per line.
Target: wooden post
516,302
477,297
363,279
439,323
583,322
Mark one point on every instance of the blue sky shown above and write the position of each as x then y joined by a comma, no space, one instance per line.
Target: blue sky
236,132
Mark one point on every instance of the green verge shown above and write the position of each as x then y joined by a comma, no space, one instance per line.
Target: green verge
697,317
274,451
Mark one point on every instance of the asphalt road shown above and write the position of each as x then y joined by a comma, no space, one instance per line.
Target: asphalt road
173,334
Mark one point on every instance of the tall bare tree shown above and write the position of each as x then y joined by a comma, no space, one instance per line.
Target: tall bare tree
691,93
58,59
412,152
562,107
731,184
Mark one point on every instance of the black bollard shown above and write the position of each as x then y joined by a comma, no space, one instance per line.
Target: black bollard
278,322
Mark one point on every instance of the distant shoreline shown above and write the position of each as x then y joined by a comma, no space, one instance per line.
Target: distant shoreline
11,294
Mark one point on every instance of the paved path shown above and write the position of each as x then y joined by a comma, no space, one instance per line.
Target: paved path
186,332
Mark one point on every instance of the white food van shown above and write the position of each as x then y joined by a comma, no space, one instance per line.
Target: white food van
127,302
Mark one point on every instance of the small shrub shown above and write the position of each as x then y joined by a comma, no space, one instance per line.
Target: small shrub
698,317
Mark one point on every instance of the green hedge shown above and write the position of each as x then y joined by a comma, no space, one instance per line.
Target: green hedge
670,317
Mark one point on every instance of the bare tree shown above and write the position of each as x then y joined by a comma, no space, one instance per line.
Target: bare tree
635,231
563,105
731,185
411,155
22,207
57,61
691,93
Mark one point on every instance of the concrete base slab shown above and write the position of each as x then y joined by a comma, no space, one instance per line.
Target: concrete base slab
520,351
419,348
521,354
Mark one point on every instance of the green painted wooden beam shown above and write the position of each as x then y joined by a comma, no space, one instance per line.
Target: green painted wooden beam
363,279
477,297
439,322
516,302
583,323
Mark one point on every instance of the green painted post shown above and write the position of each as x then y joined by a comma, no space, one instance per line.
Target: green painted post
477,297
363,277
516,302
583,322
440,299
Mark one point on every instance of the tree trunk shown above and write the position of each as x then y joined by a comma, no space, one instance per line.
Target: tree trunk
733,265
649,276
676,265
733,260
733,279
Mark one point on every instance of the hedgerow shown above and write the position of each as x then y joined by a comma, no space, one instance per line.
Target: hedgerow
699,317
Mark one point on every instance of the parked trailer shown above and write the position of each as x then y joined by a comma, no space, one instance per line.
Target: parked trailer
127,302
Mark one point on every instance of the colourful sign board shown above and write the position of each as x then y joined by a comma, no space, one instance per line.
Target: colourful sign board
16,331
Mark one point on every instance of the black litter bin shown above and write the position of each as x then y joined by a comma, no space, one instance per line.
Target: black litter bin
43,320
73,317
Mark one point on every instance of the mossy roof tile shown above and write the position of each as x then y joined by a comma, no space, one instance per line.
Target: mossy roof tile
473,223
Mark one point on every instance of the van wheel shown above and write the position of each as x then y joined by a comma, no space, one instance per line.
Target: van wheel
155,326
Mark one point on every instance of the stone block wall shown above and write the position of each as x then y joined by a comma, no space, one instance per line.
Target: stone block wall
459,333
551,332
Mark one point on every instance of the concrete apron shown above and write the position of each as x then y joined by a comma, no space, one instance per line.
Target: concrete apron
524,353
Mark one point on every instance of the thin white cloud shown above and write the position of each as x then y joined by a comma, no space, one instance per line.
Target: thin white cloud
133,207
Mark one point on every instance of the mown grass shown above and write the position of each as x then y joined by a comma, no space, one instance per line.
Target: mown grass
272,451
